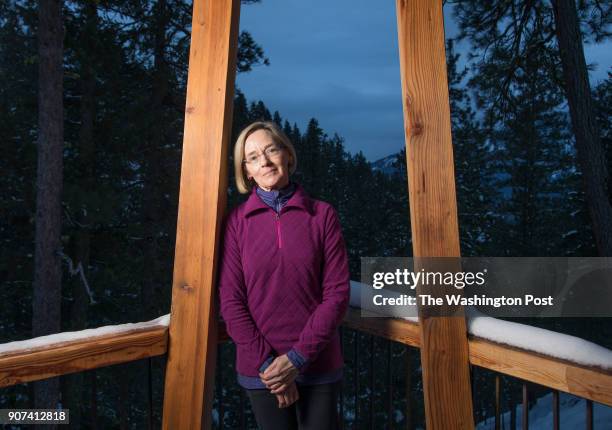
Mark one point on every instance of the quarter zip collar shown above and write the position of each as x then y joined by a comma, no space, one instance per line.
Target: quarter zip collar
276,199
299,199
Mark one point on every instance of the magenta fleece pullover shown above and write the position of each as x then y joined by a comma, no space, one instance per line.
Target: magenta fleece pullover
284,283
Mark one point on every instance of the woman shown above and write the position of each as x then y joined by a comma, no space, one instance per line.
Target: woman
284,287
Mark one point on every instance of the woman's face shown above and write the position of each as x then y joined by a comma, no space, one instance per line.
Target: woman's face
267,166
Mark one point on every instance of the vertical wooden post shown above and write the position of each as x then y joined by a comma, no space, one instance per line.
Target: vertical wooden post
433,206
190,371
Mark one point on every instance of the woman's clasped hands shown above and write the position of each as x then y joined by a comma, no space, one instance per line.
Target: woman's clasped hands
279,378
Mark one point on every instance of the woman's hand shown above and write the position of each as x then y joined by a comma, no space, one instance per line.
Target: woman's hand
279,375
288,397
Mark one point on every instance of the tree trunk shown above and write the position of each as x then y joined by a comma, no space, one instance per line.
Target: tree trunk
46,310
588,143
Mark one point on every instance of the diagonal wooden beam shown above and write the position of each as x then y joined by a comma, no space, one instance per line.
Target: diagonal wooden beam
190,372
433,206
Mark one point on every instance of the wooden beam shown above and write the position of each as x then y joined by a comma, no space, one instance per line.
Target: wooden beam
433,209
190,372
585,381
394,329
55,359
61,358
589,382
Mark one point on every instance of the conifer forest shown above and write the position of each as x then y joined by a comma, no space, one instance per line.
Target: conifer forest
92,106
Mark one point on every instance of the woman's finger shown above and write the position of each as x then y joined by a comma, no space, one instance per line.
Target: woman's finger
280,388
276,373
293,395
268,376
285,401
272,381
283,377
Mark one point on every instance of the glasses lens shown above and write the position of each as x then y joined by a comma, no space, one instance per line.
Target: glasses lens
270,151
273,150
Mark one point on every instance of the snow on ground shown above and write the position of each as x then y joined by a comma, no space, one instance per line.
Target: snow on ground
572,415
547,342
37,342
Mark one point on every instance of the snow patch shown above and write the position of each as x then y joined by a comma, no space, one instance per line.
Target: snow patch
558,345
526,337
71,336
572,415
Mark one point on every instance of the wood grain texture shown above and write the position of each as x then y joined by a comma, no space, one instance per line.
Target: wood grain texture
394,329
190,372
433,208
589,382
76,356
585,381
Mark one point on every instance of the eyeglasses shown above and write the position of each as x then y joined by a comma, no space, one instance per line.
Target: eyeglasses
271,151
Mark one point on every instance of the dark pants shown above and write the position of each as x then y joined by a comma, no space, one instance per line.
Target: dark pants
314,410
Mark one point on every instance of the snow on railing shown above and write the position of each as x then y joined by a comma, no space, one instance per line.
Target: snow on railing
74,336
526,337
529,338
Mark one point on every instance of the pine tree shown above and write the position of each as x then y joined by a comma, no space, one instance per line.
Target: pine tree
46,311
277,119
259,112
589,149
18,65
473,175
531,145
311,145
505,33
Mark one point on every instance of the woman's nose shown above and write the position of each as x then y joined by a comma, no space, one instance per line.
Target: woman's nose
263,160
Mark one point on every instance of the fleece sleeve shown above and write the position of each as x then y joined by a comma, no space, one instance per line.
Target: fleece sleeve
323,323
233,300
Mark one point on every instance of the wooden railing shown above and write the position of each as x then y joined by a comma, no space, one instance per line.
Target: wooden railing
588,382
66,357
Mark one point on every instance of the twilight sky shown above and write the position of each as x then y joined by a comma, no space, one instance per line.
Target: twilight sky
338,62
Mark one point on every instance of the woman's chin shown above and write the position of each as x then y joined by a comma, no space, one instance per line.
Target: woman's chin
272,182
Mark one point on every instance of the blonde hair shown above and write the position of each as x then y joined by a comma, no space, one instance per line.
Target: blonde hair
278,136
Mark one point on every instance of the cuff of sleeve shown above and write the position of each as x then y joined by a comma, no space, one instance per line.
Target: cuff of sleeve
266,363
296,358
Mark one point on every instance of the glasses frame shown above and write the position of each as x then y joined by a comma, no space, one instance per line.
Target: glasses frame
265,153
